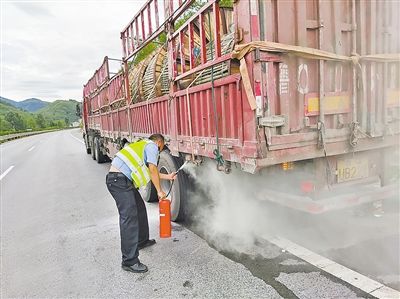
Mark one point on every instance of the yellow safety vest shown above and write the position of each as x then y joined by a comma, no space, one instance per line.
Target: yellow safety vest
133,156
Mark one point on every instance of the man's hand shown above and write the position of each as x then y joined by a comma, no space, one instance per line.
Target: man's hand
161,195
170,176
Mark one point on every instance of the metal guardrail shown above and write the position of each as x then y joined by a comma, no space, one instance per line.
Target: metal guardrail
9,137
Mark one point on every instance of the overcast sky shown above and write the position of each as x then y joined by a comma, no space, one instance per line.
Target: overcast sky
49,49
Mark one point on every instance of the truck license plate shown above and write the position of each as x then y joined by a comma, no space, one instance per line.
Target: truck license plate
351,169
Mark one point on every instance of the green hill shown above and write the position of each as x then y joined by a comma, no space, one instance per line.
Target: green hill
60,110
30,105
5,108
7,101
58,114
14,119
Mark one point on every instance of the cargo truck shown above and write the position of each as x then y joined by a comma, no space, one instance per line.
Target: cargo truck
269,87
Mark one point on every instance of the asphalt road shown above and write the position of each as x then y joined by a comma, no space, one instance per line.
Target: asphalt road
356,238
60,238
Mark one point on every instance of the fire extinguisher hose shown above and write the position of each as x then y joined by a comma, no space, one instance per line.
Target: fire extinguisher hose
170,188
176,173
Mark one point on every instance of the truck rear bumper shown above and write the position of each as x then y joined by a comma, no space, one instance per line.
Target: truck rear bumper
336,202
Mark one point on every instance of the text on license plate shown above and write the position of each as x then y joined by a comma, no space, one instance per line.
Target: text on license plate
351,169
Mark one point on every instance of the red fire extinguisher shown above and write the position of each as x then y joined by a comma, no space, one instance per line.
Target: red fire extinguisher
165,218
165,211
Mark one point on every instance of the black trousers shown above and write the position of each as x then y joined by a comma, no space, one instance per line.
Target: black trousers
133,222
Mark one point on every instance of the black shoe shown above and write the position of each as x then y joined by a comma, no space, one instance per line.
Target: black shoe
146,243
136,268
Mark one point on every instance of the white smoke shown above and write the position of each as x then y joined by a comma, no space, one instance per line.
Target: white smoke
227,212
225,209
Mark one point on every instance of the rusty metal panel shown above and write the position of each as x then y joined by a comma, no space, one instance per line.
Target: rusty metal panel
152,116
379,22
95,122
136,120
94,103
115,89
234,132
100,76
123,120
103,97
104,122
115,120
203,116
110,124
298,23
156,116
292,86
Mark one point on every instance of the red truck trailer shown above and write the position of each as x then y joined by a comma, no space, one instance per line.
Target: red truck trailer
268,86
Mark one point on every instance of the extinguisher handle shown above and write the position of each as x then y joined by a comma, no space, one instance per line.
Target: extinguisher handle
163,195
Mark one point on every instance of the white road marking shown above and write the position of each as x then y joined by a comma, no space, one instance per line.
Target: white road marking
354,278
6,172
77,138
31,148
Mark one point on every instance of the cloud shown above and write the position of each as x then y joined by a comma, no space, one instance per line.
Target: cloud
12,52
33,9
50,49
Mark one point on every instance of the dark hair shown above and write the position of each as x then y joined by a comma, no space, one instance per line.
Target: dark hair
156,137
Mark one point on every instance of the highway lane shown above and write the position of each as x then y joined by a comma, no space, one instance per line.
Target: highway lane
60,238
16,149
355,238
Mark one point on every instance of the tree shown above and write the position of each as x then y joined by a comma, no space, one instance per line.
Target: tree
60,124
226,3
31,123
41,121
16,121
78,110
194,7
4,125
66,120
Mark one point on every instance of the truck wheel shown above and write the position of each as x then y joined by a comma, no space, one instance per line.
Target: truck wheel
87,146
98,153
92,149
168,164
149,193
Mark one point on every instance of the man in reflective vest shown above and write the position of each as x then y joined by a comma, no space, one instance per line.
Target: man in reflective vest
133,167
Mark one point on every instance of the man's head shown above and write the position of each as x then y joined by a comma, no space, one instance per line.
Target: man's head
159,140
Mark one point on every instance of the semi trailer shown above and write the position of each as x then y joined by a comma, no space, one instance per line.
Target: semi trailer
268,87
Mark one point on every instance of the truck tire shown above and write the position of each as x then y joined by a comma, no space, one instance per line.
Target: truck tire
149,193
92,149
100,157
168,164
87,146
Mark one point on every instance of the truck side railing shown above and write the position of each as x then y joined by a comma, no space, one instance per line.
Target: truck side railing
108,94
101,76
199,20
150,22
116,91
